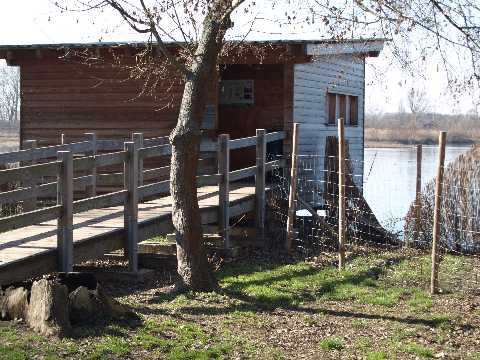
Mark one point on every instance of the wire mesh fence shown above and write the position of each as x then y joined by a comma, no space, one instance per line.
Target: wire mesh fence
317,210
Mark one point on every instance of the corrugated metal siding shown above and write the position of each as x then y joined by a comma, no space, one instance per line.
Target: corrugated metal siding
339,74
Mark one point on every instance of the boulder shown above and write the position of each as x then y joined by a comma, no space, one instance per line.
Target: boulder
13,303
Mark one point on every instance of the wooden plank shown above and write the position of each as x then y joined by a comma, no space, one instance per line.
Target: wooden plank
261,153
110,159
243,173
162,140
162,187
109,145
293,188
101,201
224,187
159,150
274,136
131,206
137,138
42,152
65,220
91,190
29,172
156,173
243,142
442,139
31,183
205,180
30,218
342,226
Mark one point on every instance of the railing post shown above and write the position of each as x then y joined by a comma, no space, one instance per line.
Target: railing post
65,221
293,188
138,139
63,139
418,195
31,182
341,194
436,215
260,183
224,187
91,190
131,206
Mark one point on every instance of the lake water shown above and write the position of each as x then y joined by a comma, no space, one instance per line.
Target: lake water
390,177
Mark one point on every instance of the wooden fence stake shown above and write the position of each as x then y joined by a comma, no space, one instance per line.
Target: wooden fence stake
436,215
293,188
138,139
418,195
91,190
65,220
224,188
341,194
131,205
63,139
31,182
260,182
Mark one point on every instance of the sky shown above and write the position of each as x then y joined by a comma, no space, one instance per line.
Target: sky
40,21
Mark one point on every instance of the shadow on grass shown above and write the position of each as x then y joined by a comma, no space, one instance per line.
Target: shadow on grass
287,297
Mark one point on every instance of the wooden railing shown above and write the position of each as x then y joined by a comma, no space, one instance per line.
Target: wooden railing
131,154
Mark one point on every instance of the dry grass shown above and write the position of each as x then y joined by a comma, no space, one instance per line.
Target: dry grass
374,136
9,139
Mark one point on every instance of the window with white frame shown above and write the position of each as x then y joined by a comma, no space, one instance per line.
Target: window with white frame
342,106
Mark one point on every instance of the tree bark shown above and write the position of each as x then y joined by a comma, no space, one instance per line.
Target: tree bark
193,267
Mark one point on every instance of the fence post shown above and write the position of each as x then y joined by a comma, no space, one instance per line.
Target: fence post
224,188
31,182
63,139
436,215
341,194
138,139
92,188
293,187
131,205
418,195
65,220
260,182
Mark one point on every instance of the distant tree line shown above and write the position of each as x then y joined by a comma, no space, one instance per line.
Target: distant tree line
421,127
9,96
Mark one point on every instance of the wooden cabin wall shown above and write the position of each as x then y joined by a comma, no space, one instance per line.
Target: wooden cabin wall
267,111
339,74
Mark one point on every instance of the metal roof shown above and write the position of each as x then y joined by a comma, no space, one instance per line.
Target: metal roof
143,43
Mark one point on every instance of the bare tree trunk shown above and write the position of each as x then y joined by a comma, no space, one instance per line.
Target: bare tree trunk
193,267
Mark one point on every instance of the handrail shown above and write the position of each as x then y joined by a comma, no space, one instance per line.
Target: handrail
29,172
43,152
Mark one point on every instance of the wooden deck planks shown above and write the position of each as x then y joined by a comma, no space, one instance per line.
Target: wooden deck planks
32,250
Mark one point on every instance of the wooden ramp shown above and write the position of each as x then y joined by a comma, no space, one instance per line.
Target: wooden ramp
32,251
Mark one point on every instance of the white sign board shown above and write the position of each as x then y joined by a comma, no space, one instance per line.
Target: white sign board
236,92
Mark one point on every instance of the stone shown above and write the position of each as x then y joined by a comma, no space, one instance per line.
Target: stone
14,303
47,311
82,305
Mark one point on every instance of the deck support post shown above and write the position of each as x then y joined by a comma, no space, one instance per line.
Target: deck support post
31,182
342,226
137,138
131,206
224,188
293,188
434,287
65,220
261,151
91,190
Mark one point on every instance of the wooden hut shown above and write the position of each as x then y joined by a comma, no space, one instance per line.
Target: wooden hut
78,88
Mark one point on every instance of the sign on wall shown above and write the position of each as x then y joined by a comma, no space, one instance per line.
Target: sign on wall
236,92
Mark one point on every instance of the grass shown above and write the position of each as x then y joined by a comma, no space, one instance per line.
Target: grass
377,308
332,343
